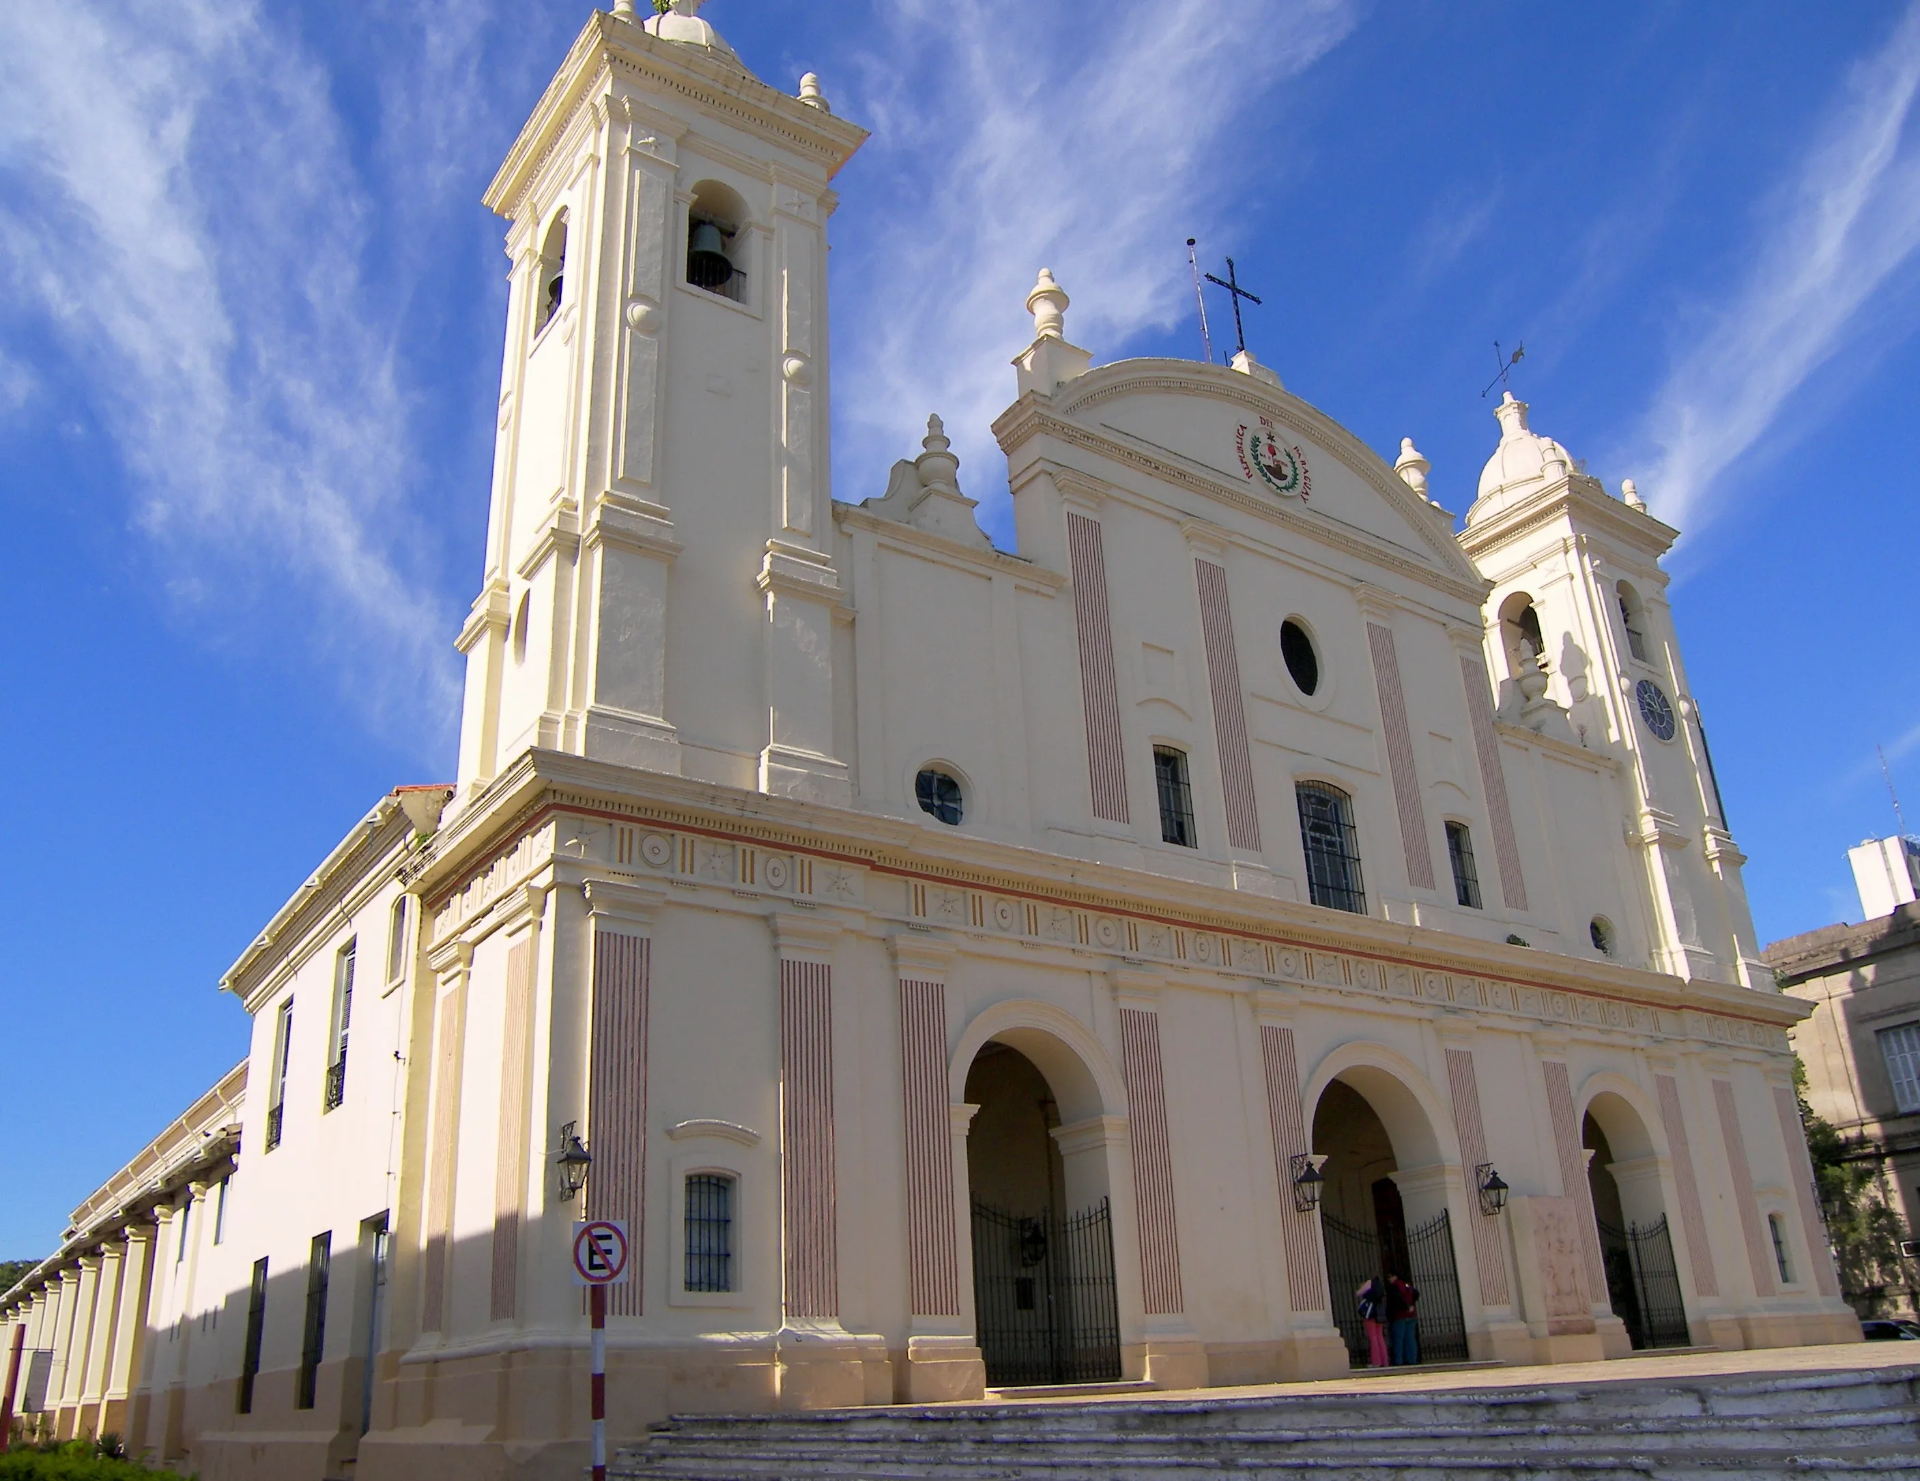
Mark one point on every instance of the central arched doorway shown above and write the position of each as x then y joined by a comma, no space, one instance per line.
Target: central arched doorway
1383,1210
1636,1243
1045,1297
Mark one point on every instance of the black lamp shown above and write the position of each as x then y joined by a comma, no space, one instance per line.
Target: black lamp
573,1161
1493,1189
1307,1183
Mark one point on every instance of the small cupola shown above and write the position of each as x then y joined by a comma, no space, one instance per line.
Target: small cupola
680,22
1523,462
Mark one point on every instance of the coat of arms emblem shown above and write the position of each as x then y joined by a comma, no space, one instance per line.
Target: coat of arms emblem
1279,465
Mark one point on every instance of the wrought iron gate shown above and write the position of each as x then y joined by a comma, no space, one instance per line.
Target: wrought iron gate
1643,1283
1354,1257
1044,1296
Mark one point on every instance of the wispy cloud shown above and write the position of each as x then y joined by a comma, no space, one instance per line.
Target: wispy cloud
1017,136
1841,228
184,221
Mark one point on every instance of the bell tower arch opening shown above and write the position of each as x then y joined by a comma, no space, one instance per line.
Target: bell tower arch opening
1629,1209
1045,1295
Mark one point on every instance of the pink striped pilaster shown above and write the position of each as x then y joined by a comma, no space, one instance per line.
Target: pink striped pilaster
446,1148
1573,1170
1406,778
1099,688
510,1166
1299,1232
933,1260
1152,1161
1464,1083
617,1098
1825,1280
1759,1258
810,1244
1493,781
1706,1282
1229,707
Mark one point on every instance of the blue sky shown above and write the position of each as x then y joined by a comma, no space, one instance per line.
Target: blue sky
250,340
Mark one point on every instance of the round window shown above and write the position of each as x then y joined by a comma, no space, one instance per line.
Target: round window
1297,648
939,794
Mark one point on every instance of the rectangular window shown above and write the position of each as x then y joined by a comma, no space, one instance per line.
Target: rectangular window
186,1218
1777,1229
1900,1047
1332,848
277,1089
375,1230
220,1210
397,940
1466,880
1176,796
709,1232
256,1329
313,1341
342,1018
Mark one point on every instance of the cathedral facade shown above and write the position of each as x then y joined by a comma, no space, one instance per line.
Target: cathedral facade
954,967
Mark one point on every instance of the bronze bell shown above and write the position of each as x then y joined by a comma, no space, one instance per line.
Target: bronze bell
707,263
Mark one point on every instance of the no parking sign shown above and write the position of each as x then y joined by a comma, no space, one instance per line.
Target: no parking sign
601,1253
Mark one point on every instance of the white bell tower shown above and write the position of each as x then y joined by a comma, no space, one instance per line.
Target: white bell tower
659,588
1583,643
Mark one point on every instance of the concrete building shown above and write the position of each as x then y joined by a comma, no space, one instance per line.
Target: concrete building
970,966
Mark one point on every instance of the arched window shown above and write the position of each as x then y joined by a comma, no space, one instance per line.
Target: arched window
1176,796
709,1232
1303,664
940,796
397,939
1633,619
522,616
552,283
1332,847
1600,932
1520,634
1466,878
717,241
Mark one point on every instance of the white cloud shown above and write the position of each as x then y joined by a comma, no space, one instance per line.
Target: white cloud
1841,228
1013,137
182,218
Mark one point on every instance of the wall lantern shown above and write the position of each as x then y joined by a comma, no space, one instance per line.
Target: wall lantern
1307,1183
1493,1189
573,1162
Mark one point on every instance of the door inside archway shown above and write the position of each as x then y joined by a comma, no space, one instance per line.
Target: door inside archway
1045,1299
1368,1234
1636,1244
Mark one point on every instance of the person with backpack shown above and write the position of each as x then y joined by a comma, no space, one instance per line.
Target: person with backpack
1372,1299
1403,1327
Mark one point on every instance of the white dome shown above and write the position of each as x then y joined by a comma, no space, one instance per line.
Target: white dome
1523,462
683,24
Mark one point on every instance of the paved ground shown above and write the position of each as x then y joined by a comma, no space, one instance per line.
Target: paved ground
1771,1360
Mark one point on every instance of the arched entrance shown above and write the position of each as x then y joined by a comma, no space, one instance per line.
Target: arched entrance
1383,1209
1045,1298
1636,1244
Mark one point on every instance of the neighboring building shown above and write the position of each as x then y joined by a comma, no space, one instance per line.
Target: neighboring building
1861,1044
969,967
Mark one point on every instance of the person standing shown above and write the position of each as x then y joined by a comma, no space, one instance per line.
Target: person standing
1403,1326
1372,1299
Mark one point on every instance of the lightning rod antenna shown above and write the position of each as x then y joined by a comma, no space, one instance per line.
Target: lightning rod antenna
1206,334
1898,816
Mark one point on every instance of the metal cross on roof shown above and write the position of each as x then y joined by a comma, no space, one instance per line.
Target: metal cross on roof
1231,282
1506,363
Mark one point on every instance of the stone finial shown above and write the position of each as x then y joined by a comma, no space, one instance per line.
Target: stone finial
1512,415
811,95
1412,467
1048,305
623,9
937,466
1631,493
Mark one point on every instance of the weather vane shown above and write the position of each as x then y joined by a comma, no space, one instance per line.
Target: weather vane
1506,363
1231,282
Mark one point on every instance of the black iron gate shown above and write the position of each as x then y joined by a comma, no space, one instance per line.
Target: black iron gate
1354,1257
1044,1297
1643,1283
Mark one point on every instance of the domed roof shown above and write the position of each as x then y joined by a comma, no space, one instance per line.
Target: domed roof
683,24
1523,462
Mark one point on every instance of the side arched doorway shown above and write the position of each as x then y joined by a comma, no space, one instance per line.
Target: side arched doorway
1383,1210
1636,1243
1044,1290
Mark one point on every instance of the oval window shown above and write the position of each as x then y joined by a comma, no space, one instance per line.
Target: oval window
1297,648
939,795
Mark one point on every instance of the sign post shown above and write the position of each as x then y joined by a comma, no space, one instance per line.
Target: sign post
601,1258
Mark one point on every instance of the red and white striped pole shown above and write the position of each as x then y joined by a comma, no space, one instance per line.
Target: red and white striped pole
597,1297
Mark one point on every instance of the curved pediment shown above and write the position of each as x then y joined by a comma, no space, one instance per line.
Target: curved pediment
1261,448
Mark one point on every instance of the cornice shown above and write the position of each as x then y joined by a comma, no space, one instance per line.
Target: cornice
911,539
1571,499
1568,751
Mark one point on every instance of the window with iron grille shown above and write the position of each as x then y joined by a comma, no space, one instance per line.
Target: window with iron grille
256,1329
336,1089
940,796
709,1232
1466,879
1776,1226
1900,1047
1332,847
277,1091
1176,796
313,1341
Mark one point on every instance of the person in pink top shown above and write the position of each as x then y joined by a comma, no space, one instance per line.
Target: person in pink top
1373,1314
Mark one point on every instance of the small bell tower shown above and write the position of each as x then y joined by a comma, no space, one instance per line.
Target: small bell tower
659,588
1582,642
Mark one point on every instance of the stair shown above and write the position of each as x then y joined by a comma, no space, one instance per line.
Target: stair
1851,1424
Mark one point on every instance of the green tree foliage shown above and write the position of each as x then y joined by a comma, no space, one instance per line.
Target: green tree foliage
1864,1231
12,1272
77,1460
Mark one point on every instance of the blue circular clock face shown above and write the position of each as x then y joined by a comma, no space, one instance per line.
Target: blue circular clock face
1655,709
